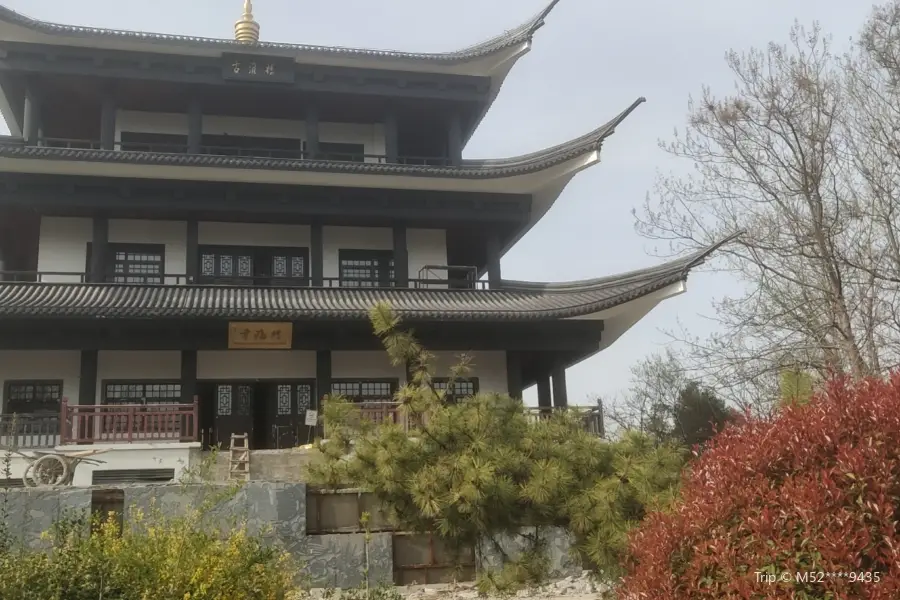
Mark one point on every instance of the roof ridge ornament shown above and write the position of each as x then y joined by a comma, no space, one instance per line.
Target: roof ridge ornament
246,30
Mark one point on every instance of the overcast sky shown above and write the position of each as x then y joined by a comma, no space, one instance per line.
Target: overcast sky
590,61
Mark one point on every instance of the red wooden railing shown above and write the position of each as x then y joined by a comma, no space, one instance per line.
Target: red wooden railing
129,423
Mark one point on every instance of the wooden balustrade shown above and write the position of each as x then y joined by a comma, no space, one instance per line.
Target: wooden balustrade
129,423
27,431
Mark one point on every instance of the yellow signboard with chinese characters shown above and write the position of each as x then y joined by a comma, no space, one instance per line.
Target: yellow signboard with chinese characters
260,336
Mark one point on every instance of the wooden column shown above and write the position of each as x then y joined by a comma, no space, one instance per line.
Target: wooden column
454,139
98,250
312,131
493,260
188,376
391,137
323,378
560,394
401,257
87,383
31,123
108,120
195,126
543,386
192,251
317,255
514,374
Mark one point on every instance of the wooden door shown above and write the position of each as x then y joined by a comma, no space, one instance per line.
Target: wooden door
234,411
287,413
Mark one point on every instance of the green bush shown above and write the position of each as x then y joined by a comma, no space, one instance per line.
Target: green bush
479,470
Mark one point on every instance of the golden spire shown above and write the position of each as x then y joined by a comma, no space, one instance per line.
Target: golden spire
246,30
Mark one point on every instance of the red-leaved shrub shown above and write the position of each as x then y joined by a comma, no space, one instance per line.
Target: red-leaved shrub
813,494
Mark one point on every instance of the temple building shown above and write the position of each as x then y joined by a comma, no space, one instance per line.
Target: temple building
193,230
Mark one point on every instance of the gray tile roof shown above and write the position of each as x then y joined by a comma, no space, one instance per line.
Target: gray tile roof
469,169
517,301
508,39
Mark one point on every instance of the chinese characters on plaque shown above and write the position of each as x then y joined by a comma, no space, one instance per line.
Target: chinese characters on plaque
261,69
260,336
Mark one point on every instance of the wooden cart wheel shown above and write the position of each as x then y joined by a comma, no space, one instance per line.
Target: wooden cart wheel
51,470
26,476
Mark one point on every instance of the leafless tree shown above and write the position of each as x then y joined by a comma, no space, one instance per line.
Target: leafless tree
804,157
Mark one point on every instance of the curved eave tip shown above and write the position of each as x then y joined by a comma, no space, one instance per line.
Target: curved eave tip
539,19
702,255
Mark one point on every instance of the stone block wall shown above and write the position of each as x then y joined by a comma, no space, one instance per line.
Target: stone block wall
280,512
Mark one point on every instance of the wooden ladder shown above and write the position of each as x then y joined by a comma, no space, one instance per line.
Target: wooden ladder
239,462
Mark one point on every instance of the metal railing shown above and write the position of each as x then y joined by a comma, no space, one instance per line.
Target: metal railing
130,423
260,281
286,154
28,431
387,411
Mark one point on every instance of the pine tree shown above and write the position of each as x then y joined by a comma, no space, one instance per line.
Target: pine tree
476,470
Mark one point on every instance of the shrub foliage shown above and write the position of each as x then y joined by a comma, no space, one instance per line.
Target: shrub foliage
813,491
478,470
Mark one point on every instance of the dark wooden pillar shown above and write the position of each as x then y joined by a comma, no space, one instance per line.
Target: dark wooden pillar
493,260
391,137
454,139
401,257
514,374
323,377
192,251
195,126
98,250
560,394
317,255
108,120
87,383
31,123
188,376
312,131
543,386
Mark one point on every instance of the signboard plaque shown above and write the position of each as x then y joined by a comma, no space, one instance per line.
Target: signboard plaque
260,336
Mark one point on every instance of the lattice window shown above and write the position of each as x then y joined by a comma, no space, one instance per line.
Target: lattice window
132,263
304,397
366,268
462,388
365,391
31,397
244,401
223,400
142,393
236,265
284,400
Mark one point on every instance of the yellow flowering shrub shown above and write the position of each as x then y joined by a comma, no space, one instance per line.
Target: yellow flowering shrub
151,558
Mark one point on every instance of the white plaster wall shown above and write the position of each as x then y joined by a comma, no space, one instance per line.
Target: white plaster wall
144,231
143,365
365,365
176,456
225,365
426,247
488,366
335,239
253,234
62,247
371,136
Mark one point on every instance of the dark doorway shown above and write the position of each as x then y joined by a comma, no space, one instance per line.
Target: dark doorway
285,410
233,410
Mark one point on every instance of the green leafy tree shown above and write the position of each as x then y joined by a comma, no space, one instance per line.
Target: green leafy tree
796,386
699,415
478,470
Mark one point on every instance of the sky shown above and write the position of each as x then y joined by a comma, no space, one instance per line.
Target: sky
588,63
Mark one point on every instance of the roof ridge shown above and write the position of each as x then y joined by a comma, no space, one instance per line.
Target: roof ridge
497,43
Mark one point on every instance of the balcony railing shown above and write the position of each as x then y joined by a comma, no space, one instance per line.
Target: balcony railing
29,431
130,423
381,412
238,151
456,283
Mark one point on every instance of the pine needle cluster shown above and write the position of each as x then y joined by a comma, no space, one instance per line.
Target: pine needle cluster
478,470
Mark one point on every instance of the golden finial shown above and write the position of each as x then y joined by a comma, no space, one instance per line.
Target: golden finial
246,30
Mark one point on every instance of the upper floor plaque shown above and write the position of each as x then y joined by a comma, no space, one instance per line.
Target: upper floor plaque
257,68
